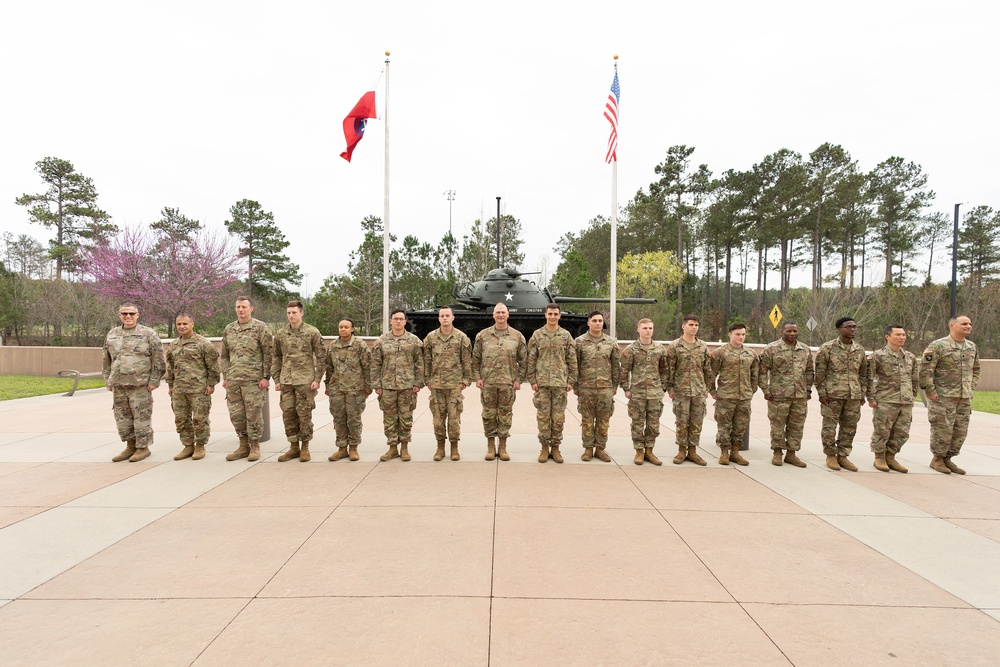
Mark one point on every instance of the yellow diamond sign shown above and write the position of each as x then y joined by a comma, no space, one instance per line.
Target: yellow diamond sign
775,316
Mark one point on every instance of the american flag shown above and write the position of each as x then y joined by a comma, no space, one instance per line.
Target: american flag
611,113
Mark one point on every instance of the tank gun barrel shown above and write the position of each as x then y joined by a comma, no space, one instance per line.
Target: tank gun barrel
579,299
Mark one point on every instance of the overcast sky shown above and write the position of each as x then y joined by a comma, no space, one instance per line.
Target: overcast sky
196,105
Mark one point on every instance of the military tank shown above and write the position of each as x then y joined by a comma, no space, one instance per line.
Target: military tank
525,300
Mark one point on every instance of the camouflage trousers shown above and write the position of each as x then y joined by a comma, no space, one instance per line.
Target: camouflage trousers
498,410
550,404
788,419
297,404
645,415
596,407
397,414
346,408
446,409
891,424
245,401
949,418
133,409
845,413
689,415
732,417
191,415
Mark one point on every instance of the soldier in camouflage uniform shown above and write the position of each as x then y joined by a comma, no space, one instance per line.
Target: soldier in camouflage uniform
599,365
247,347
192,373
133,366
892,384
949,373
499,359
297,368
643,377
689,368
551,373
786,378
735,371
397,376
447,371
841,381
348,384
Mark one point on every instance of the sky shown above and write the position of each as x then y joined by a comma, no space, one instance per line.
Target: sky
196,105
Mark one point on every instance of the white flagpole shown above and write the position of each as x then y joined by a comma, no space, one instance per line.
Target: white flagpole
614,234
385,215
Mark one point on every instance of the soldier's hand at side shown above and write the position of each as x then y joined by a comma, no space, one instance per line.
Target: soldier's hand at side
150,387
479,384
265,383
534,387
932,397
824,400
111,388
767,396
209,390
714,395
569,388
628,394
517,386
277,386
378,392
416,390
576,391
314,386
872,404
671,394
170,391
225,384
327,390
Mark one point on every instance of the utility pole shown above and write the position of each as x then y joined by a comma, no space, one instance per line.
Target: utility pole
451,197
499,265
954,266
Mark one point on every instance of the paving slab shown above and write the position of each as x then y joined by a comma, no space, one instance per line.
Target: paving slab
9,515
945,496
288,484
53,484
723,489
420,483
552,485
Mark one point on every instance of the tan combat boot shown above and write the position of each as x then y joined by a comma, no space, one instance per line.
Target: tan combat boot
651,457
692,456
794,460
187,451
140,454
952,467
724,456
341,453
556,456
293,452
640,455
304,455
439,454
199,453
404,451
491,448
776,457
391,453
543,455
601,455
588,454
254,453
242,451
846,464
352,453
890,460
831,462
937,463
126,453
734,456
454,451
880,463
502,452
682,453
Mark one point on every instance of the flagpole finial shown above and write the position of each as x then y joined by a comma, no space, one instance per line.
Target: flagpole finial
387,54
616,56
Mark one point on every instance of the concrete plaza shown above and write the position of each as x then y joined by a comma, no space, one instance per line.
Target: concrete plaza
472,563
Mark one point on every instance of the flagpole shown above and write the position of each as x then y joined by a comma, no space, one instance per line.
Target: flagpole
385,215
614,239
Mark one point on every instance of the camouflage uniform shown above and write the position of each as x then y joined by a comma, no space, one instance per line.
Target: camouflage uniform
192,367
447,367
599,367
786,372
841,377
498,359
348,381
397,368
951,370
892,384
246,360
551,366
735,373
689,368
644,376
133,362
297,363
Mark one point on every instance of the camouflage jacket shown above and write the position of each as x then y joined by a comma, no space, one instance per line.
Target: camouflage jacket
841,371
598,361
689,367
192,365
447,360
133,357
551,358
644,370
298,355
735,372
397,363
786,371
949,368
499,357
892,377
348,366
246,351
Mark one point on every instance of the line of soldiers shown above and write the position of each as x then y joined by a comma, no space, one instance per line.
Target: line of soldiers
553,363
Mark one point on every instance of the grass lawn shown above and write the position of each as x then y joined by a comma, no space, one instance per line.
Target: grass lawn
987,401
22,386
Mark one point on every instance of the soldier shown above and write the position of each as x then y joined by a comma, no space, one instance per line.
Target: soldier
599,365
689,376
643,377
949,373
192,373
448,371
297,368
786,378
841,381
133,366
892,384
552,374
247,347
735,371
397,376
499,357
348,384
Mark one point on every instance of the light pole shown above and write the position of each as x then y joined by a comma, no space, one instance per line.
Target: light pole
954,266
451,197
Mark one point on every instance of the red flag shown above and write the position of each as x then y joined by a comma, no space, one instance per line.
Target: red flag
354,124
